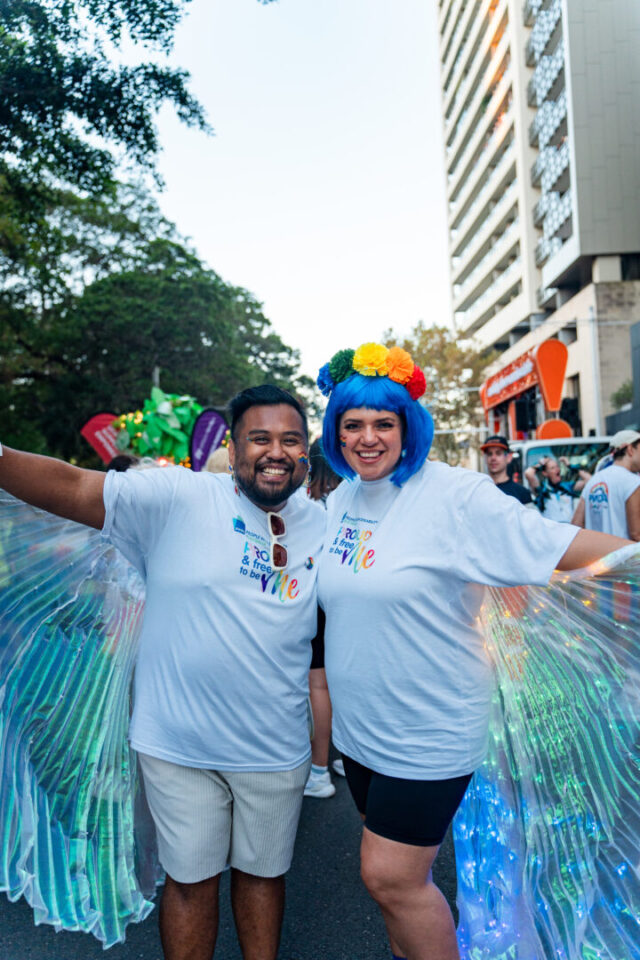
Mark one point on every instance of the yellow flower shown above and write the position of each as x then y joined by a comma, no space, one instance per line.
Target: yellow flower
400,365
371,359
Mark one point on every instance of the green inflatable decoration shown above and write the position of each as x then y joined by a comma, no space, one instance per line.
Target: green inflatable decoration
161,429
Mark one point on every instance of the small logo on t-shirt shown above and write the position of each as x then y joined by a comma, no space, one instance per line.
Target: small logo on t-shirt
309,563
599,496
239,525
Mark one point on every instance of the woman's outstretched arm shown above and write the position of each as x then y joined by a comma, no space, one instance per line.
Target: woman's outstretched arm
587,546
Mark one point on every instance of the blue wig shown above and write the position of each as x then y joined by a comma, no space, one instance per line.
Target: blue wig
378,393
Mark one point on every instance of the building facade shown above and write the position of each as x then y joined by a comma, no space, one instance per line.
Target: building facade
541,111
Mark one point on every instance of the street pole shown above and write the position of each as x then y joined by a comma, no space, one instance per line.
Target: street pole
595,358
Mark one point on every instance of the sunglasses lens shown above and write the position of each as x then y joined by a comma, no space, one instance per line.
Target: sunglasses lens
279,556
277,525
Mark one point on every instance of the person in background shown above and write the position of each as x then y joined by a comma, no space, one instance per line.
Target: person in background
553,496
123,462
498,457
322,480
218,461
610,500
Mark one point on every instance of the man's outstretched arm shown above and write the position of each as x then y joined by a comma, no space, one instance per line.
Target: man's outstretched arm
54,485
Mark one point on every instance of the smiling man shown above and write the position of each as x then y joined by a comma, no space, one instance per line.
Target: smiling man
220,720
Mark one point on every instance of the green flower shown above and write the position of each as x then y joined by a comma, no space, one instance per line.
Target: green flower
341,365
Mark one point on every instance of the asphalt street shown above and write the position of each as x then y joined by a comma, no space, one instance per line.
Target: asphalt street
329,915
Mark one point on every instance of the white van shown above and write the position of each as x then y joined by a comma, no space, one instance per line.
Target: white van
581,453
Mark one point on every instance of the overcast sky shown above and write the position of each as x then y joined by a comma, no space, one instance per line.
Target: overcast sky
322,190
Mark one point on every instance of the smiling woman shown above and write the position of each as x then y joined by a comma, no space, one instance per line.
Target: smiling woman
408,551
371,441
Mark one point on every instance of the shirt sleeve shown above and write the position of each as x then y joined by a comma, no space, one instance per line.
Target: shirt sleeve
502,543
137,504
632,485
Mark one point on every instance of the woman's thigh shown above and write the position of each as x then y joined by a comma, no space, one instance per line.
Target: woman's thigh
416,812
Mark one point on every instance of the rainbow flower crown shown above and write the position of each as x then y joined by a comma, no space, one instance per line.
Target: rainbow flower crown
373,360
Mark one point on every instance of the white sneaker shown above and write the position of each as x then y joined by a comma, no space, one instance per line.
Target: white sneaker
319,785
338,767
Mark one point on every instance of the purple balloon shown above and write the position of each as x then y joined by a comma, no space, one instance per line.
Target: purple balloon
208,433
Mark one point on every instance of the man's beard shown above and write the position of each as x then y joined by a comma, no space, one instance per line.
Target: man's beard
262,497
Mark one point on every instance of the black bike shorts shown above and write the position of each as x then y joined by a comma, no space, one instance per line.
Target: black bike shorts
407,811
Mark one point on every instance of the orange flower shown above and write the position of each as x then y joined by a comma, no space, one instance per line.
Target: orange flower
400,365
371,360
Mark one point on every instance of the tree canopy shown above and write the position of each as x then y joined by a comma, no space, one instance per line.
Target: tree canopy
453,372
149,304
67,104
98,292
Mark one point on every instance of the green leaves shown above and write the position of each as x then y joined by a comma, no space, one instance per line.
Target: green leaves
97,290
65,104
151,305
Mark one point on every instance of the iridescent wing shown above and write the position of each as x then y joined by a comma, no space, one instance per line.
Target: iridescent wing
70,611
548,837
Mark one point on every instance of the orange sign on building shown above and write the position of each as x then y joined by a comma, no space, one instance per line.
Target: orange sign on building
545,367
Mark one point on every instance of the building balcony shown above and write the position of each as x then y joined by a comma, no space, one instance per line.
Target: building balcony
530,11
545,248
558,219
486,109
555,175
480,44
545,296
476,97
549,122
542,207
537,170
489,301
460,39
548,78
481,150
530,57
545,33
496,212
449,24
488,265
504,172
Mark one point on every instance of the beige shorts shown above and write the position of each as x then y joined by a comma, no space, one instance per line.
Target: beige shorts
205,819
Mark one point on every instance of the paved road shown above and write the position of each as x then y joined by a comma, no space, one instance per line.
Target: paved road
329,916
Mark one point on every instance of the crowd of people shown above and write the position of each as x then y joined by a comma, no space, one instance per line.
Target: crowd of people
608,502
395,557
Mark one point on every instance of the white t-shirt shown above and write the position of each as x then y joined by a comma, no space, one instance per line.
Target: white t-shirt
399,581
605,496
559,505
221,680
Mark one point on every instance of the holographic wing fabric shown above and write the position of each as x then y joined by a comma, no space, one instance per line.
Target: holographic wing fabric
70,609
548,838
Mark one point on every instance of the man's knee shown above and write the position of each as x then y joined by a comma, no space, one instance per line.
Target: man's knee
192,892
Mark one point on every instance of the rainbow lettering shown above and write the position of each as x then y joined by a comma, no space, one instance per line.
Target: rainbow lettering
351,546
282,586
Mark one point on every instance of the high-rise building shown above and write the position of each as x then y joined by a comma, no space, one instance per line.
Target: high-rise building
541,108
488,156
